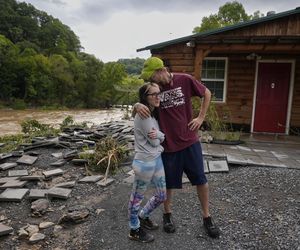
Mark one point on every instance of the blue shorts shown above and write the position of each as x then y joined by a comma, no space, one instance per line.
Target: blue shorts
189,161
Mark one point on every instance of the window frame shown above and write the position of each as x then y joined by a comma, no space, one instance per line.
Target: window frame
219,79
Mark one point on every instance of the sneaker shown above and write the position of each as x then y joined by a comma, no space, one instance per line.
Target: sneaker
211,229
148,224
140,235
169,226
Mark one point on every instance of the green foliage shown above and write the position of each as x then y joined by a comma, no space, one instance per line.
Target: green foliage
107,157
230,13
19,104
220,129
41,65
11,142
34,128
69,122
132,66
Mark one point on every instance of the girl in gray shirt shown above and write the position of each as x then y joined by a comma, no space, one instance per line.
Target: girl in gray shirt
147,166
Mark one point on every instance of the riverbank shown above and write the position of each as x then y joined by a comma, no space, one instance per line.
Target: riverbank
10,119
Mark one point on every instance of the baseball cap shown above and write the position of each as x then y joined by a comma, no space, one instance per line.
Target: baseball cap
150,66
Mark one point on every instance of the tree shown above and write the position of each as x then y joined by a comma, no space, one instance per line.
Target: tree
230,13
132,66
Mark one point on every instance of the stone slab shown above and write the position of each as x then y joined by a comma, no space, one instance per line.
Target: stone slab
53,172
13,184
32,178
27,159
37,194
5,156
11,194
2,144
273,162
61,193
58,163
7,179
22,172
8,165
57,155
5,230
129,179
68,184
79,161
206,170
91,178
236,159
105,183
218,166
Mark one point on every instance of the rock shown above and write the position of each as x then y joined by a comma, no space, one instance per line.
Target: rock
56,230
36,237
39,207
45,224
75,215
32,229
22,233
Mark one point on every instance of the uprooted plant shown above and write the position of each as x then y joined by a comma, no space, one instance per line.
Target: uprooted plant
107,156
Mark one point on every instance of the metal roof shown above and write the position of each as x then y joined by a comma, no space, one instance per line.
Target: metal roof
223,29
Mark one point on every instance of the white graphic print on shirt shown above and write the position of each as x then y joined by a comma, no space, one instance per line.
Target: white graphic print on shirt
172,98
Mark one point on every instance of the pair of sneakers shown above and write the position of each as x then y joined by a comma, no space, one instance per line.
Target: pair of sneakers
169,227
140,234
210,227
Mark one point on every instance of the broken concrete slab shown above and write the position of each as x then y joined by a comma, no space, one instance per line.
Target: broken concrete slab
54,172
13,184
218,166
2,144
5,230
105,182
11,194
37,194
8,165
22,172
91,178
62,193
27,159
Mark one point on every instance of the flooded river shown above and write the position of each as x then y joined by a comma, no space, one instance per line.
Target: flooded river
10,119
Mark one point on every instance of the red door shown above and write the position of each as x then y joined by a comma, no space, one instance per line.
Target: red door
272,94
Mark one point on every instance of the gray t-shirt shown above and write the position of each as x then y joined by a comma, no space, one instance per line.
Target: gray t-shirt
147,149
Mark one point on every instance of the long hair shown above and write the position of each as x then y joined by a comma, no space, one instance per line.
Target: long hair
143,91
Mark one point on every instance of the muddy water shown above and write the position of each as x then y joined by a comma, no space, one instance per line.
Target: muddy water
10,119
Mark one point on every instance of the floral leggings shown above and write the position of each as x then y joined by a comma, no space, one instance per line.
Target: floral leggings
146,172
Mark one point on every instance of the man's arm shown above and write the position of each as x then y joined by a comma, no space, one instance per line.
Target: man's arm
141,109
196,123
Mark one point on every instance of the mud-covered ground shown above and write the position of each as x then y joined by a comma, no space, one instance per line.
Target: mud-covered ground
255,208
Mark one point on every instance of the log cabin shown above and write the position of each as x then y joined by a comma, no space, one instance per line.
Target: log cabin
252,68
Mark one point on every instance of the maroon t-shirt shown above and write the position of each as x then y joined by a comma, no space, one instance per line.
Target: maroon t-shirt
175,111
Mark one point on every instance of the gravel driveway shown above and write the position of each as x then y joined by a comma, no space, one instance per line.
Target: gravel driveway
255,207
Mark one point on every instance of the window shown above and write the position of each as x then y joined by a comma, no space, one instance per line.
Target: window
214,76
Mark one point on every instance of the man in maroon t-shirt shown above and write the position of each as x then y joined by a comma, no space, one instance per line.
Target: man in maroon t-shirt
182,149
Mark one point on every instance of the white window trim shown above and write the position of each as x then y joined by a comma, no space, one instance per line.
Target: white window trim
225,76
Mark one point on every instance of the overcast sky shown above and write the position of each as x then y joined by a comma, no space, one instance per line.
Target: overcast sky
114,29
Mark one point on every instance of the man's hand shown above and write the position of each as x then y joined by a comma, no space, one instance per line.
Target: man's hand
142,110
195,124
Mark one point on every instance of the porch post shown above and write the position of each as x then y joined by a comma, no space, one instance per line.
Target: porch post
199,56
